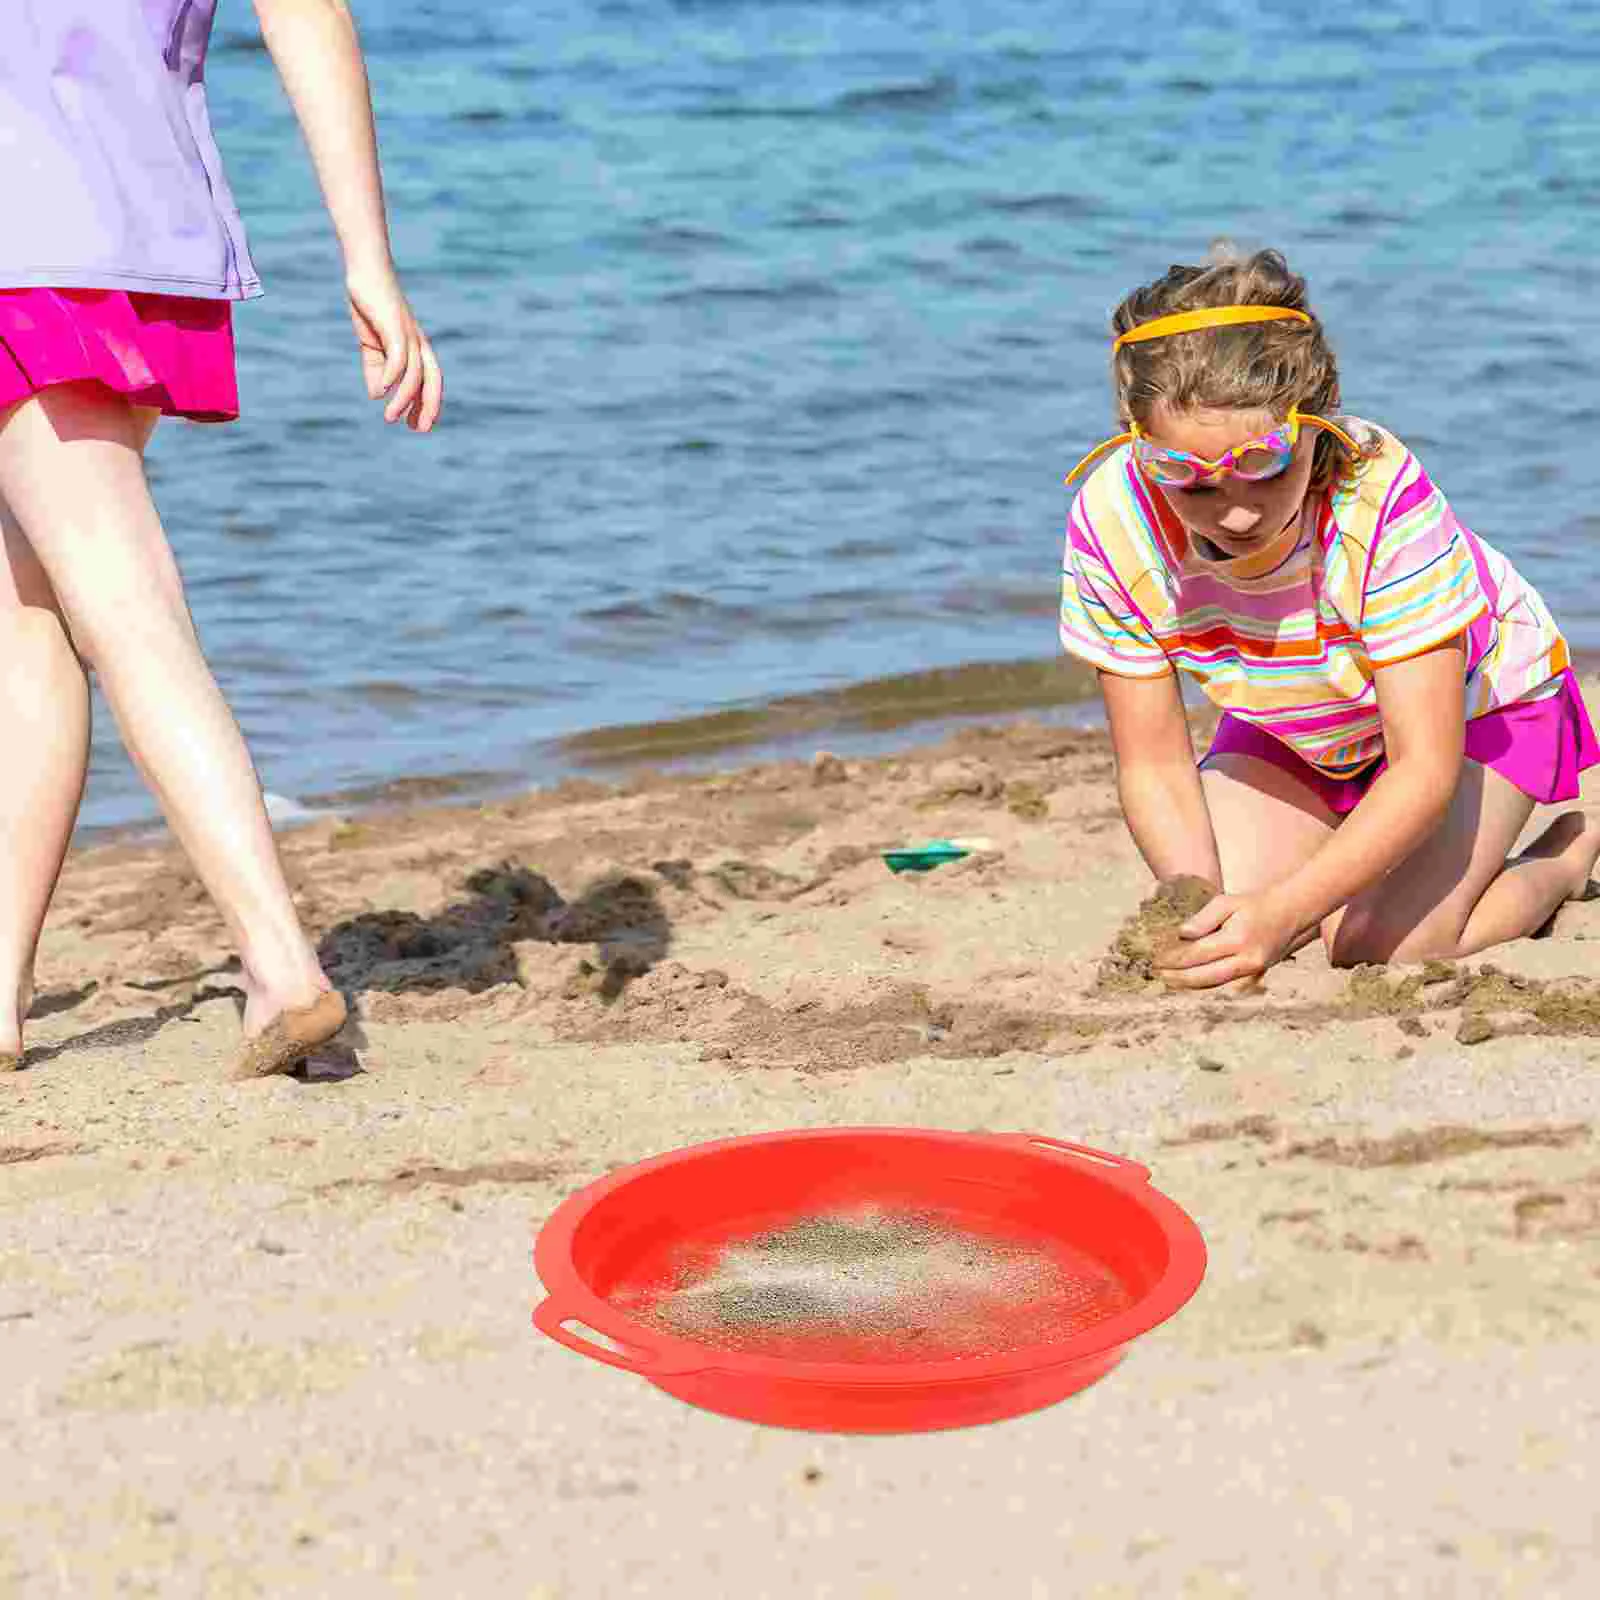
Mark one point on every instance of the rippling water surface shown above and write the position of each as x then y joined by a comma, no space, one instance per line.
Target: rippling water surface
769,329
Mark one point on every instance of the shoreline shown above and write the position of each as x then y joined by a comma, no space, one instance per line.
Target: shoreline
873,716
858,721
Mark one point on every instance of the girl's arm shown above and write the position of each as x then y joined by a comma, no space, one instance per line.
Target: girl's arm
314,46
1157,781
1422,703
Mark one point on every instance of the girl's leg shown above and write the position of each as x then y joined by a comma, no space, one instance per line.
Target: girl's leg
44,732
1458,894
1266,822
72,472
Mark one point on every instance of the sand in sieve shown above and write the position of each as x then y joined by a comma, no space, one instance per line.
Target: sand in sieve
871,1285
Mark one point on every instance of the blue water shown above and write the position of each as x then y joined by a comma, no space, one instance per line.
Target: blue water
769,329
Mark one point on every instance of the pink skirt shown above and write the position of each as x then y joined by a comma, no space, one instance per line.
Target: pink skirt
158,350
1541,746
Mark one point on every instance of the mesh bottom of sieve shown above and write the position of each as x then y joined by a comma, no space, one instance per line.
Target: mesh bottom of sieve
874,1285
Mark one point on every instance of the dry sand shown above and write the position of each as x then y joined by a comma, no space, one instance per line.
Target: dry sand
273,1337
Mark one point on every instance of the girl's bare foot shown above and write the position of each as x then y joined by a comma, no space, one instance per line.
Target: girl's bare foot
1572,841
290,1008
266,999
291,1035
11,1051
1573,838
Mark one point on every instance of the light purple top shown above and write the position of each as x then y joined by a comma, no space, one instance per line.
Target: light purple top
109,174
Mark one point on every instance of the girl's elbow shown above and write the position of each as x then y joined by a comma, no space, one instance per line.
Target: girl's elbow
1433,777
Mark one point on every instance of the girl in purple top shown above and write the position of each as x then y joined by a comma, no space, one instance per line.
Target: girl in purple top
119,260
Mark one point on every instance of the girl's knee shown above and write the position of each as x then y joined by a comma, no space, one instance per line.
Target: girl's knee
123,601
23,580
38,627
1362,938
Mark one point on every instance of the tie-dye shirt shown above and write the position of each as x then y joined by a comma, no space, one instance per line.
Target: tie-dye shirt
1376,571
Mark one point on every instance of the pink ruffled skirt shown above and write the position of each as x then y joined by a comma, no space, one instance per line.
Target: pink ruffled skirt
1542,746
158,350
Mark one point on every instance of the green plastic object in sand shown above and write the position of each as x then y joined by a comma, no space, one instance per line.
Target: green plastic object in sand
925,857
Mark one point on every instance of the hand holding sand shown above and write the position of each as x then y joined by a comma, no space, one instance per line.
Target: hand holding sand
1136,954
1234,937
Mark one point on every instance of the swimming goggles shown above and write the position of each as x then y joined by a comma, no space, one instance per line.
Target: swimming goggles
1253,462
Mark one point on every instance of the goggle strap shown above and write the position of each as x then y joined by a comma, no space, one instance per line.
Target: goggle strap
1098,451
1210,317
1333,428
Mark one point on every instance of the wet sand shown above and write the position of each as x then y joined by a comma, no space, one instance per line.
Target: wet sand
274,1337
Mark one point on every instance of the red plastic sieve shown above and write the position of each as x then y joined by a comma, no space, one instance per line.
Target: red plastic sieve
1027,1187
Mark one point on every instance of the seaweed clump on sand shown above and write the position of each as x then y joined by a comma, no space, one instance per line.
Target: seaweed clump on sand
1130,965
1371,991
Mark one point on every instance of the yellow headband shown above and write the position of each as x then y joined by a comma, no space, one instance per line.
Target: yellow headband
1216,317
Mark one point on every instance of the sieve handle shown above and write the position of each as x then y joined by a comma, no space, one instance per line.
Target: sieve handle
1130,1170
552,1321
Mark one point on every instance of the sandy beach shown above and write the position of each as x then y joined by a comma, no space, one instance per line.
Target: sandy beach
273,1337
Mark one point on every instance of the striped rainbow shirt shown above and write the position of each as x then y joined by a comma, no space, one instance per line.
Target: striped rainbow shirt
1379,570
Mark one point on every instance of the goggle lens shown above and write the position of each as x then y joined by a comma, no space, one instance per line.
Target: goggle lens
1171,473
1254,464
1262,462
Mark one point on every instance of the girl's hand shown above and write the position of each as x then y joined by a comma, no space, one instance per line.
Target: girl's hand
396,358
1237,936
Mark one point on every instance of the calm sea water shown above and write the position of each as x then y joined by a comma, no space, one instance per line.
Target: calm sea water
770,327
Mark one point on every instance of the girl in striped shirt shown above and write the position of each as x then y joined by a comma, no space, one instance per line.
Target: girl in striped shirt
1395,698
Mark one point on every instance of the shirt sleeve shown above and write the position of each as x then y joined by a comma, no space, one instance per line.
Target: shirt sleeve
1422,586
1099,624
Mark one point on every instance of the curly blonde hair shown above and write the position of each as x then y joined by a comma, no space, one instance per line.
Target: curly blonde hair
1275,367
